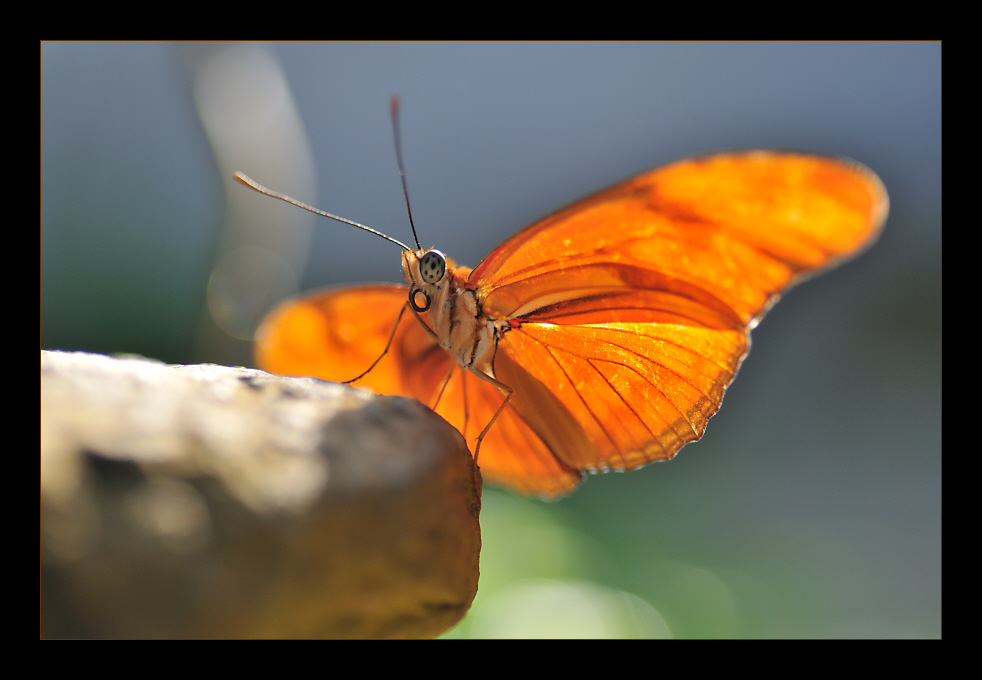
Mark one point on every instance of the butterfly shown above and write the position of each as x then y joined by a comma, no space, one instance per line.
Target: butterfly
602,337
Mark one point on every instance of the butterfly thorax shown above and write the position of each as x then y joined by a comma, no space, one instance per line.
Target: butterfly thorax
452,309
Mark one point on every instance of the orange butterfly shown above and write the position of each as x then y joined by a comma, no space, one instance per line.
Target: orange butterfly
609,330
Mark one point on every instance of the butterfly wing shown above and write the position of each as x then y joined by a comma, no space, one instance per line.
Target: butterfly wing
632,308
512,453
336,334
631,313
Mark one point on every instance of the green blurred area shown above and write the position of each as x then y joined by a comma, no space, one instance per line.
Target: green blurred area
812,507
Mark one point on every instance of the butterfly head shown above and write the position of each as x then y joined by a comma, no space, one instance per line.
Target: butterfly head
425,273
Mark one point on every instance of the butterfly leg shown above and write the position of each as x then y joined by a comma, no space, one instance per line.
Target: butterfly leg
429,331
463,389
433,336
508,392
443,386
384,351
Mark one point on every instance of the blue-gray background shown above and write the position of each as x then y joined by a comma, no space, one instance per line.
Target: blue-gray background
812,507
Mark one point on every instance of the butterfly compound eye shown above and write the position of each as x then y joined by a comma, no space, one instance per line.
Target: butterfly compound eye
433,266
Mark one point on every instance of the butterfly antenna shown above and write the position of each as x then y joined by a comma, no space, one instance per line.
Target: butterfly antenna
241,178
394,111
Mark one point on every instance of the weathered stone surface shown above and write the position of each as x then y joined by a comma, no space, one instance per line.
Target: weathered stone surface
206,501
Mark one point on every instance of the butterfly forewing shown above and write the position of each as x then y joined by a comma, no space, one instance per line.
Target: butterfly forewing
739,227
336,335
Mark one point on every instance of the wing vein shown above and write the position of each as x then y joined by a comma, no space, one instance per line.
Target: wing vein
579,396
666,341
642,356
654,437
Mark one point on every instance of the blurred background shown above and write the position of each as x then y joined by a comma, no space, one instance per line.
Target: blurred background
812,507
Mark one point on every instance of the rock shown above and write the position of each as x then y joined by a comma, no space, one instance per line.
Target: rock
207,501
